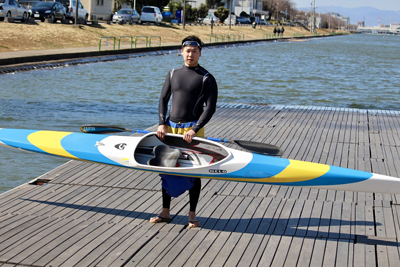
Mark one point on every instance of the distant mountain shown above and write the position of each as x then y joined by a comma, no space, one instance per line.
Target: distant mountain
368,14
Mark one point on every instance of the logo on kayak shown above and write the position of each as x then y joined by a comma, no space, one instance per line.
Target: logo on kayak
217,171
120,146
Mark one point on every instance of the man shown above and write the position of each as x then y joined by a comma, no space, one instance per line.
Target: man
194,95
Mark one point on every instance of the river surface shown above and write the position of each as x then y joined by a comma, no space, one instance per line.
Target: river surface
358,71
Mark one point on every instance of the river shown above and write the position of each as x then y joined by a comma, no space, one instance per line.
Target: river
357,71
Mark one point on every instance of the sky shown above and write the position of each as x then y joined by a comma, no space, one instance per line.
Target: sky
381,4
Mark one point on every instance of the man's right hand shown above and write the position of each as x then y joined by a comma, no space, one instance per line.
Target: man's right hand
161,131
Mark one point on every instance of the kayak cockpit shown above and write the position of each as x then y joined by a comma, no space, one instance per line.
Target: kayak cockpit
200,152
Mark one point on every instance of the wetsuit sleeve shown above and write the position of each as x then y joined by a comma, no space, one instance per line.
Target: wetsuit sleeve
210,100
164,99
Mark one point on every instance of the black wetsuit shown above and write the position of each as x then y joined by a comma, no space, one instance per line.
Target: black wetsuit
191,88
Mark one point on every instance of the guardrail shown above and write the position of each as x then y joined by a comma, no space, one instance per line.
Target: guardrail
142,36
269,36
119,40
159,40
106,37
226,37
138,40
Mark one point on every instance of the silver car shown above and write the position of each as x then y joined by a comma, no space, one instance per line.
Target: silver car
12,9
126,15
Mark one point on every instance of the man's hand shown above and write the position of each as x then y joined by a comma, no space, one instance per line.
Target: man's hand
161,131
189,136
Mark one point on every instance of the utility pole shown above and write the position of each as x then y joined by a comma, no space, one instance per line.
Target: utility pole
277,4
184,13
312,18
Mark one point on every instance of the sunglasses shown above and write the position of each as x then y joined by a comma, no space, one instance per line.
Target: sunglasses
192,43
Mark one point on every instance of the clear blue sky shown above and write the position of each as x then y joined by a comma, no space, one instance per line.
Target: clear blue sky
381,4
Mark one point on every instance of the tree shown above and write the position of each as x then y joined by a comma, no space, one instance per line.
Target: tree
158,3
244,14
274,7
212,4
202,11
222,13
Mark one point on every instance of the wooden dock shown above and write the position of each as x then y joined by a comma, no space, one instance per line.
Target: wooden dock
96,215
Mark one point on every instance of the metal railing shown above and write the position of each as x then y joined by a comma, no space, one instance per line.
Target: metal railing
226,37
142,36
298,35
106,37
119,41
159,40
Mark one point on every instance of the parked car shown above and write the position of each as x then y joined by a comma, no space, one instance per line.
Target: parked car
151,14
48,10
264,22
232,20
126,15
70,6
243,20
12,9
209,18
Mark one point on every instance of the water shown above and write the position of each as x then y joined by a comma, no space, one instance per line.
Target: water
360,71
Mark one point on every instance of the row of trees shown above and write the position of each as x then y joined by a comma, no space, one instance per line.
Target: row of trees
276,9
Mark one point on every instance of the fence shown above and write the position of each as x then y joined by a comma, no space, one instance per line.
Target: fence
226,37
106,37
138,40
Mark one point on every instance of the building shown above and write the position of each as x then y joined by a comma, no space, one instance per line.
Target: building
393,28
340,17
99,9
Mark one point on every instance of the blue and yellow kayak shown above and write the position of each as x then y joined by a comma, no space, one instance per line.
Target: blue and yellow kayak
201,158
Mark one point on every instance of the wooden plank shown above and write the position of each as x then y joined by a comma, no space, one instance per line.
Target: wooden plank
266,224
270,250
318,252
312,230
284,217
215,249
201,249
130,253
32,245
293,254
306,252
305,217
249,255
227,249
248,215
238,250
330,253
282,251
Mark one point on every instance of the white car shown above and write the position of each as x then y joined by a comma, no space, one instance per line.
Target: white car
209,18
126,15
70,6
151,14
12,9
233,20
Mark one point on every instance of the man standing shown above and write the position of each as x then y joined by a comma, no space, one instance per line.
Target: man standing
194,93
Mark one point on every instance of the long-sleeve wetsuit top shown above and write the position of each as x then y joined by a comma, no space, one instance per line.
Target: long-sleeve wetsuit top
194,94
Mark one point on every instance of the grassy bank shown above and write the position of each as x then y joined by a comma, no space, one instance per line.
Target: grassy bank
40,36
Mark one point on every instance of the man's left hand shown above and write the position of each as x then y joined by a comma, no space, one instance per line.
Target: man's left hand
189,136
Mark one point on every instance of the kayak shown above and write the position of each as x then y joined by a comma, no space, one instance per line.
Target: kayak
201,158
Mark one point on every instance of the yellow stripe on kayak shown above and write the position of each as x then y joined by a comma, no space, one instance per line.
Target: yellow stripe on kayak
50,142
296,171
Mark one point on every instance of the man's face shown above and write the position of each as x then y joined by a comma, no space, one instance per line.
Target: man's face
191,55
